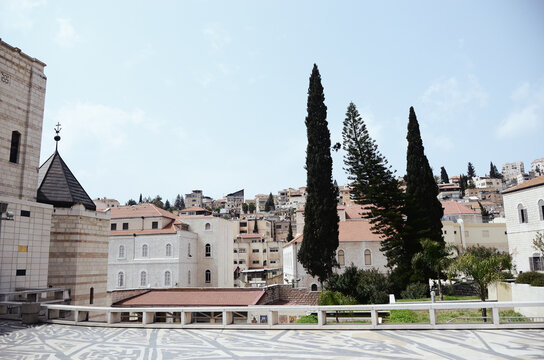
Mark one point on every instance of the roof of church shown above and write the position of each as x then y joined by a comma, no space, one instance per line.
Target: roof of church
59,187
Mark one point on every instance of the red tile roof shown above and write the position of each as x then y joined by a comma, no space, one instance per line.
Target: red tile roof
137,211
525,185
195,297
350,230
453,207
250,236
194,208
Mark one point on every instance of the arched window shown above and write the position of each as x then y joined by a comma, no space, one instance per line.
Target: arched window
314,287
143,278
208,226
341,260
121,251
264,262
208,276
189,277
208,250
522,213
168,249
541,209
368,257
144,250
167,278
121,279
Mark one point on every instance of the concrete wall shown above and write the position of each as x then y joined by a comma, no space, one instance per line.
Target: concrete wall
78,255
489,235
518,292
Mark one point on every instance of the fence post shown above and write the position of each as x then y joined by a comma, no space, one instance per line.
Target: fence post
496,316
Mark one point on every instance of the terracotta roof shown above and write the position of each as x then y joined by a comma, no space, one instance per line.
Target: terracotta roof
59,187
194,208
195,297
350,230
453,207
250,236
355,211
527,184
137,211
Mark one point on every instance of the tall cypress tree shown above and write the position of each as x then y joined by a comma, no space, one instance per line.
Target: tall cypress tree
494,172
373,184
423,210
290,233
318,249
470,171
444,175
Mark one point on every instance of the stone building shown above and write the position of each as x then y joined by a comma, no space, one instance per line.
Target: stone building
25,224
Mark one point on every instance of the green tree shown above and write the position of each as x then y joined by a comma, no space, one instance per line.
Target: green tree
462,184
423,210
157,201
290,233
335,298
538,242
269,205
470,171
130,202
255,227
494,172
167,205
367,286
484,265
434,258
444,175
318,249
140,201
179,203
251,207
373,184
245,207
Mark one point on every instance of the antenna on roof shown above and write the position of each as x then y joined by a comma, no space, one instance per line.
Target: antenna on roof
57,137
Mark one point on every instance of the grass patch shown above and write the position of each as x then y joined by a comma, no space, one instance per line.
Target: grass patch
446,297
451,316
408,316
307,319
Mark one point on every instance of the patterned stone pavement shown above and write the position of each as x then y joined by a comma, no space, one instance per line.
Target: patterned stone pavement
74,342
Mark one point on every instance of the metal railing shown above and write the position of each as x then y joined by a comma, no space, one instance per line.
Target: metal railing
284,317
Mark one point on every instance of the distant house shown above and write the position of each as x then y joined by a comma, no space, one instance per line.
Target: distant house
524,212
195,210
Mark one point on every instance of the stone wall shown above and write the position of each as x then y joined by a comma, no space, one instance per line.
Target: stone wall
288,294
78,257
116,296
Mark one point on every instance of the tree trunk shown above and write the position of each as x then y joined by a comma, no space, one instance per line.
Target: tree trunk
440,288
482,297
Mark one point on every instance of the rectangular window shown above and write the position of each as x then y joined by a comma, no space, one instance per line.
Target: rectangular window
25,213
21,272
113,227
242,251
255,250
125,226
14,150
255,262
155,225
22,248
536,263
274,250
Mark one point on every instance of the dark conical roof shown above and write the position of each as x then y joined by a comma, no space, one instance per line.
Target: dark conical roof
59,187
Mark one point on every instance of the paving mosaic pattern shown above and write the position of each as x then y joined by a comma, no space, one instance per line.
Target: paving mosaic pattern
73,342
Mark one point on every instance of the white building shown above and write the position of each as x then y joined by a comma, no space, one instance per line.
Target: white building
537,166
524,212
486,182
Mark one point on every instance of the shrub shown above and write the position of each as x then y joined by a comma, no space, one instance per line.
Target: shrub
366,286
539,281
529,277
307,319
415,291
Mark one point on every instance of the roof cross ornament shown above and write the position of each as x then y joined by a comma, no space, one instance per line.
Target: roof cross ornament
57,137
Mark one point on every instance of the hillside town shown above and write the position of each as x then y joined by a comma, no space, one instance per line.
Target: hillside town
59,245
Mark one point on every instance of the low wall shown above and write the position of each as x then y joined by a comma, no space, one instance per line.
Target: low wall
518,292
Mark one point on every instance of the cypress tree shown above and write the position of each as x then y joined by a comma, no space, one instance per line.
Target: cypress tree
373,184
269,205
423,210
470,171
318,249
256,227
140,201
167,205
444,176
494,172
290,233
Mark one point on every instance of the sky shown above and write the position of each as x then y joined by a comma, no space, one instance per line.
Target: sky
164,97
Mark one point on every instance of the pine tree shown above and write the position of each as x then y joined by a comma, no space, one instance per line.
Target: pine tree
423,210
494,172
140,201
444,176
373,184
290,233
318,249
269,205
166,205
470,171
179,203
462,184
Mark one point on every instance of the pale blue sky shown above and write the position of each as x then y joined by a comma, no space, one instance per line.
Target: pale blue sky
168,96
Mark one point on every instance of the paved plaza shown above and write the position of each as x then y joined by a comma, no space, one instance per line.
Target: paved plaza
77,342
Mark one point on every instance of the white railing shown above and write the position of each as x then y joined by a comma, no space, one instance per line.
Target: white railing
283,317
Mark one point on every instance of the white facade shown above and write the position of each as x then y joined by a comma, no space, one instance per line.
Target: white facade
512,169
524,212
538,166
485,182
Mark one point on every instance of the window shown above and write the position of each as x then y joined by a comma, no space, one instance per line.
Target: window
125,226
242,251
121,279
235,262
121,251
541,209
522,212
341,260
235,251
113,227
278,226
143,278
208,250
264,262
208,276
208,226
314,287
536,262
189,277
168,249
241,262
255,250
273,261
274,250
25,213
144,250
20,272
368,257
167,278
22,248
255,262
14,150
189,249
155,225
91,295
